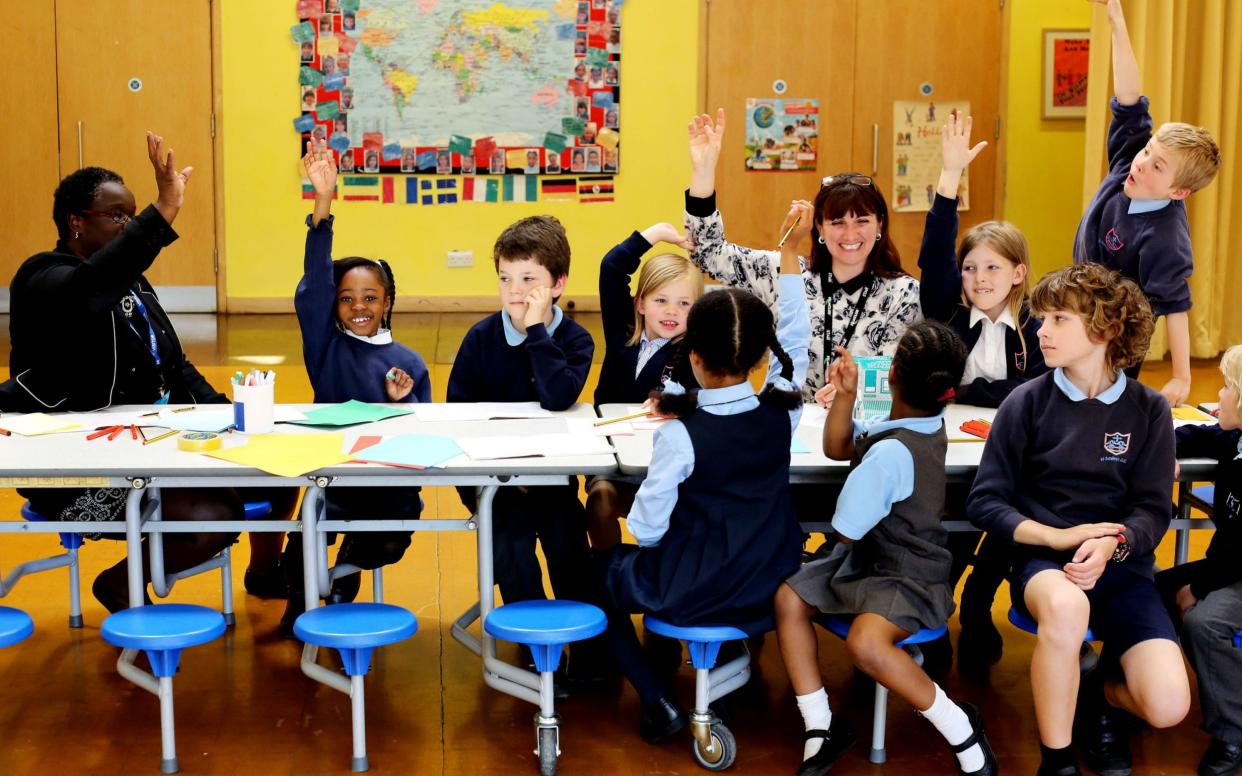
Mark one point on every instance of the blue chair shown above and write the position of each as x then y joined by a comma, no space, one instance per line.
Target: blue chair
714,745
1202,498
69,558
162,631
354,630
840,627
15,626
546,627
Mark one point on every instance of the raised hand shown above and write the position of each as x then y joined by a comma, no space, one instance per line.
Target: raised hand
169,182
665,232
705,139
797,224
955,148
843,375
320,167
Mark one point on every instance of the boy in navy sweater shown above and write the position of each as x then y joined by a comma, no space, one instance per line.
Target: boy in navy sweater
1136,224
1077,473
529,351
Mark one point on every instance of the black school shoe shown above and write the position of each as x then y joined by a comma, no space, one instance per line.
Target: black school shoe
1051,770
977,736
266,584
838,738
661,720
1221,759
1104,743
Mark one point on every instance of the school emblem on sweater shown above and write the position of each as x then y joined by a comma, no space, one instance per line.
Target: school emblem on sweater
1113,241
1019,361
1116,443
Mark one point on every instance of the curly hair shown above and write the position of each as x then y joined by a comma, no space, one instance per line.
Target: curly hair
929,361
1113,308
76,192
730,330
1231,368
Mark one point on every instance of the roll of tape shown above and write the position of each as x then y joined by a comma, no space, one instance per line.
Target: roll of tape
198,441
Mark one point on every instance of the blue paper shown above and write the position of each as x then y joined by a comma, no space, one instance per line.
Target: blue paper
304,123
411,450
427,160
796,445
391,151
340,142
333,82
598,99
565,31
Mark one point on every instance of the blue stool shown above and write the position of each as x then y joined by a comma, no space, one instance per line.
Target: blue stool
1202,498
354,630
15,626
546,627
69,558
1028,624
1237,639
840,627
162,631
714,745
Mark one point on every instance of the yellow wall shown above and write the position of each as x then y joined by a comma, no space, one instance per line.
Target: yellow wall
264,212
1043,182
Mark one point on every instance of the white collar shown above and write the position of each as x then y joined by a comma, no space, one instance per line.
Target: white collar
1005,318
381,337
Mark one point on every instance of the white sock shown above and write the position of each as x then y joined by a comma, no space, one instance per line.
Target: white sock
954,725
815,716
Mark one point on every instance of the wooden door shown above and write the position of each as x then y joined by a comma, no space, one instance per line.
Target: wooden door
101,48
28,145
750,44
954,45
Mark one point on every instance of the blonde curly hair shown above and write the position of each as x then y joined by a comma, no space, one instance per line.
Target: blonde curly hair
1231,368
1113,307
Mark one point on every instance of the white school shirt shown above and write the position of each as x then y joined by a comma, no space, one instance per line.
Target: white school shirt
987,358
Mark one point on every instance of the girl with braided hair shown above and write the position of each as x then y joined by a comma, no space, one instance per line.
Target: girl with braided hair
344,309
716,533
890,570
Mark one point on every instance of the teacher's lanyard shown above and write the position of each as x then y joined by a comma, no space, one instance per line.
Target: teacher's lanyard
151,344
856,314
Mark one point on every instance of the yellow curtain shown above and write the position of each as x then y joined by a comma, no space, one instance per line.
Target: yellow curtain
1190,55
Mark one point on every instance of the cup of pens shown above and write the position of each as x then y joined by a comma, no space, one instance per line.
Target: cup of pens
254,402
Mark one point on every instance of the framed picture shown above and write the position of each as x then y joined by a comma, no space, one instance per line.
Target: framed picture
1066,58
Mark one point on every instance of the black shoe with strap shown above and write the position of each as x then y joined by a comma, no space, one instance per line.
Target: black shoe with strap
1221,759
838,738
977,736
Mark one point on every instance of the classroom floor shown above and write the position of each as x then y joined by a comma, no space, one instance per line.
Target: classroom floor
243,706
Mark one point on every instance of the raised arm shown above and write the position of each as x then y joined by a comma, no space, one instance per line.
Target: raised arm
793,324
1127,83
315,298
940,284
706,136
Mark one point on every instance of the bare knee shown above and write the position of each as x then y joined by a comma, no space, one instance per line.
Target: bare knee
868,651
1063,618
789,604
1167,709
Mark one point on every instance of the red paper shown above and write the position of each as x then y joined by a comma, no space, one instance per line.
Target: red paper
372,141
483,148
576,88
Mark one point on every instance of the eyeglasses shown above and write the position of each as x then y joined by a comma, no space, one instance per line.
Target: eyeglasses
837,180
116,216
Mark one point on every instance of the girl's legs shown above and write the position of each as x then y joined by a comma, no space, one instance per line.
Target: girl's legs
800,651
263,576
606,502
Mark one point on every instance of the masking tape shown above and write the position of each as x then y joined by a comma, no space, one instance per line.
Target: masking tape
198,441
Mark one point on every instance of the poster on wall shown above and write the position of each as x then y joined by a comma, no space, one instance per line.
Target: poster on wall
916,154
462,87
781,134
1066,62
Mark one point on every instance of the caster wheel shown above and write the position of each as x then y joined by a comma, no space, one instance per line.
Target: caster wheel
547,751
722,753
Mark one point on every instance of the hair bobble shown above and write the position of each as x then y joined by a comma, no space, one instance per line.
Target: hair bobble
948,395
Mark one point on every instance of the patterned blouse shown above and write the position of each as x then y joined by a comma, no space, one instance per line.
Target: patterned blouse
892,303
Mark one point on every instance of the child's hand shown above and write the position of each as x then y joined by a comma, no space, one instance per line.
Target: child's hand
843,375
1073,538
538,302
665,232
798,223
1089,561
168,180
705,139
825,395
398,384
650,407
955,147
1176,391
320,167
1185,599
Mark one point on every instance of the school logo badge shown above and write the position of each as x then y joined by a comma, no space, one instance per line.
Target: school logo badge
1113,241
1116,443
1019,361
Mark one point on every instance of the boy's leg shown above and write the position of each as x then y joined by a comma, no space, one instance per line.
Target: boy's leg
606,502
517,571
1156,688
1062,611
1207,636
979,637
559,520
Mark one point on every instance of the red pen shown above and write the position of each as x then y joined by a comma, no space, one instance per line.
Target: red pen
115,433
133,432
101,432
5,432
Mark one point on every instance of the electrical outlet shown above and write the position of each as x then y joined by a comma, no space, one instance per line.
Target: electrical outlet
461,258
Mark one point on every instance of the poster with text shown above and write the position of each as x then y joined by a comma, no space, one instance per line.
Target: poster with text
781,134
916,154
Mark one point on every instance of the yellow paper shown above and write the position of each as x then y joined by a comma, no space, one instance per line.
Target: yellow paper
1190,413
515,159
608,138
286,455
328,46
37,423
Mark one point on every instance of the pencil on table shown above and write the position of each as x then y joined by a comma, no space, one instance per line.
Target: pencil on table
161,436
623,417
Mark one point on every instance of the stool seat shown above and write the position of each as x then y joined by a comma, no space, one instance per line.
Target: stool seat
1207,493
546,622
163,626
1028,624
70,541
692,632
355,625
840,627
253,510
15,625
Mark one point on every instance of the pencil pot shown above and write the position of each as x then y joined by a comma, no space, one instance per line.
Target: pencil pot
253,406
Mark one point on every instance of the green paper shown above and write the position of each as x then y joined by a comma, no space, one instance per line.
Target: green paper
597,56
327,110
555,142
573,126
460,144
309,76
349,413
349,6
302,32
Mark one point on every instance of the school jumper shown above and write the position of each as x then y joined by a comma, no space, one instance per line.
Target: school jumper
716,533
342,367
1148,241
1216,582
548,364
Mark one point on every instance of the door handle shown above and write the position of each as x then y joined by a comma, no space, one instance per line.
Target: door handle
875,146
80,145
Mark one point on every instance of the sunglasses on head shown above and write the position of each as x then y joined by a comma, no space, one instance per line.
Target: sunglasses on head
838,180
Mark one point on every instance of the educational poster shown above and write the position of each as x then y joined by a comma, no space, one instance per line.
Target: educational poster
781,134
440,88
916,154
1066,57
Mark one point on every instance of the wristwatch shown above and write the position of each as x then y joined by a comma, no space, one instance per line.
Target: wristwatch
1123,549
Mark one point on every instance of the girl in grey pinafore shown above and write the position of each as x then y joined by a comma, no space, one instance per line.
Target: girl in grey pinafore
900,568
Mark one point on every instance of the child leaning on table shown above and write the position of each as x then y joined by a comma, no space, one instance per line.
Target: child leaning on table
1077,473
344,310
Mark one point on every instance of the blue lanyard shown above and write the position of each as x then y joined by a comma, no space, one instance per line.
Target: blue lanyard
142,310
